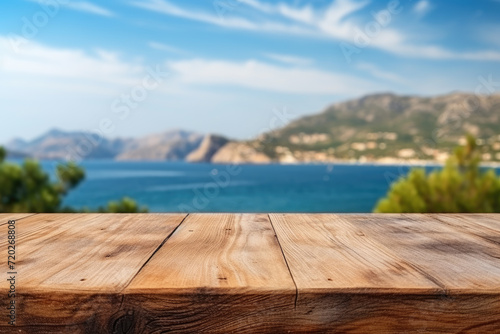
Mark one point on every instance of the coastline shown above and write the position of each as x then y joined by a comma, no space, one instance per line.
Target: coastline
395,162
388,162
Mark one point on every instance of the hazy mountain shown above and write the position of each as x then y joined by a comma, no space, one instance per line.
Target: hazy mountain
385,127
379,127
58,144
172,145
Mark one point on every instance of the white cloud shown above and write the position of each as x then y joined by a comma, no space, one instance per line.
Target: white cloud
304,14
82,6
37,60
291,60
165,7
480,55
422,7
489,34
88,7
337,21
167,48
43,66
263,76
379,73
439,53
263,7
46,67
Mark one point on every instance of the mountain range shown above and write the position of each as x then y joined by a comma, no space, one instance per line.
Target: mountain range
385,128
380,128
172,145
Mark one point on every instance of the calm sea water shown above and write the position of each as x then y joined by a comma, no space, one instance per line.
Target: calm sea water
174,187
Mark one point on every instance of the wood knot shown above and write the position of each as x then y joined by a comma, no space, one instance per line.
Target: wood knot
124,324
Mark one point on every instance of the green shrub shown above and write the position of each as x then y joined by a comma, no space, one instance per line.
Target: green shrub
27,188
460,187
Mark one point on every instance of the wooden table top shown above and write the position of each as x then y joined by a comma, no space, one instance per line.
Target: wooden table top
253,273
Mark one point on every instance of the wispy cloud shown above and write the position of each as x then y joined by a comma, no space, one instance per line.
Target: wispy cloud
168,8
288,59
338,21
263,76
89,7
167,48
304,14
422,7
41,64
38,60
439,53
489,33
82,6
379,73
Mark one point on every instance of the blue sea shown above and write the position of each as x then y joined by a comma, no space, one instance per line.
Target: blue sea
183,187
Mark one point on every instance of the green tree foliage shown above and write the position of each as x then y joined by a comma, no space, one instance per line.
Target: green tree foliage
460,187
125,205
27,188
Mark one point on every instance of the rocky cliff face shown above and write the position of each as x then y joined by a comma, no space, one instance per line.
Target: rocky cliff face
234,152
208,147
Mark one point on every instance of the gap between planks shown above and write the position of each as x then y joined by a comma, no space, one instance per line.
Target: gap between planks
286,262
153,254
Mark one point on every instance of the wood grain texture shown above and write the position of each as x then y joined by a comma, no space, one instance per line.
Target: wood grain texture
490,221
395,313
325,252
71,268
5,217
486,226
342,248
254,273
465,265
217,273
459,262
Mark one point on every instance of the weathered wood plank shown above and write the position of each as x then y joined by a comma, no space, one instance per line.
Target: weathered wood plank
461,262
346,281
465,265
366,293
5,217
486,226
220,273
97,252
491,221
71,268
328,253
217,273
395,313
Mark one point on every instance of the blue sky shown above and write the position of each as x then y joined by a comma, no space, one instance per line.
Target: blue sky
233,65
